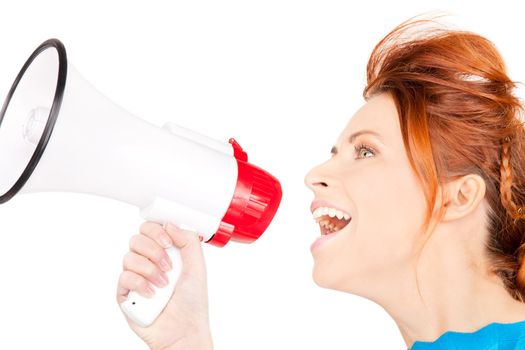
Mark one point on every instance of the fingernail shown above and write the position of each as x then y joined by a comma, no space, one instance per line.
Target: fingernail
201,238
149,291
164,265
162,281
166,242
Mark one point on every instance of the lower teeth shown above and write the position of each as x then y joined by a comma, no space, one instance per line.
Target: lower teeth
327,227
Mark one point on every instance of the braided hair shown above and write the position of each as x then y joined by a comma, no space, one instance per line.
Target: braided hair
459,115
512,272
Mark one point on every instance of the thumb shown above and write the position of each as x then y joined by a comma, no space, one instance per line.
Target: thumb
190,247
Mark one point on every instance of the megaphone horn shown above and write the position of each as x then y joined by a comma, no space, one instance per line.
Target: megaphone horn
58,133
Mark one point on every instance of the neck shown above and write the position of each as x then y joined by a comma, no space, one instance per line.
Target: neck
454,292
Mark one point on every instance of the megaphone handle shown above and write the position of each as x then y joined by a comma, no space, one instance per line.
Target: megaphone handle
144,311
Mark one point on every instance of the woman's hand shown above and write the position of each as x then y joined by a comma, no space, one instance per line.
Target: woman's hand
184,323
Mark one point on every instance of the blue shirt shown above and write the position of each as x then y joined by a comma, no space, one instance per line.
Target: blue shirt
494,336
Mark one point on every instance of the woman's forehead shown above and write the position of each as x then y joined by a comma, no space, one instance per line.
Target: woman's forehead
378,115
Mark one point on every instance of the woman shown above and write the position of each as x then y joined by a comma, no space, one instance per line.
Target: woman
418,205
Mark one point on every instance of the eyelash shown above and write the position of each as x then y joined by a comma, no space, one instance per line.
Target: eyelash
360,146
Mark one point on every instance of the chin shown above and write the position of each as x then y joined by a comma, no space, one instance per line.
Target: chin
336,278
326,279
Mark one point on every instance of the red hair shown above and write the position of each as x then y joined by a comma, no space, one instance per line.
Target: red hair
459,115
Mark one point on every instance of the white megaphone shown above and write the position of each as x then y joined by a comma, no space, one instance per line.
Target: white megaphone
58,133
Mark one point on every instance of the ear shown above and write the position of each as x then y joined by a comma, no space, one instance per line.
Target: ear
464,196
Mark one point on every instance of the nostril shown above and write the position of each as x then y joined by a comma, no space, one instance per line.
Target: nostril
312,180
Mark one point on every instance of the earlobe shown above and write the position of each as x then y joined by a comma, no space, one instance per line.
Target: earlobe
464,196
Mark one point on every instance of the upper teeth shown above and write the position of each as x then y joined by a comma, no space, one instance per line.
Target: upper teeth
332,212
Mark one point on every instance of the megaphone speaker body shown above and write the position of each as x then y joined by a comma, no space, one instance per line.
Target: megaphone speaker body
58,133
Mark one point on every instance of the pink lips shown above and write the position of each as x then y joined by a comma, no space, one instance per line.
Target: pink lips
321,240
324,238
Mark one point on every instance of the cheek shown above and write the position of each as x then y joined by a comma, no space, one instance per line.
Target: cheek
390,210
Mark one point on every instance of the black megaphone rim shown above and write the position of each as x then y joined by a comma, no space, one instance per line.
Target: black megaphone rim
53,113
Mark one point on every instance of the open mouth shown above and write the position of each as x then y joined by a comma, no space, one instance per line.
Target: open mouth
331,220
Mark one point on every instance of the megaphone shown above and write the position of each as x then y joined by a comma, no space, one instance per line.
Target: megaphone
58,133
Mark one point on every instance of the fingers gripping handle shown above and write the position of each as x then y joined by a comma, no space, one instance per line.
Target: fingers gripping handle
144,311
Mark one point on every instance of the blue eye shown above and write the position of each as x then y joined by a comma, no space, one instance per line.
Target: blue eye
364,147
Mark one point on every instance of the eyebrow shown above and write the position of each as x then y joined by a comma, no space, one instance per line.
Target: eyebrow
352,138
355,134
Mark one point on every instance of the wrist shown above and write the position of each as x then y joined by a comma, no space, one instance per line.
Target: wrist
197,341
191,345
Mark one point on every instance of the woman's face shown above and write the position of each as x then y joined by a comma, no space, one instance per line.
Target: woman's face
376,186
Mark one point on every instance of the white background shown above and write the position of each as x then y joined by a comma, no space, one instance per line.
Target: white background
281,76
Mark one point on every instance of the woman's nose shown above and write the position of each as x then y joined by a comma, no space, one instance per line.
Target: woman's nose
314,179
